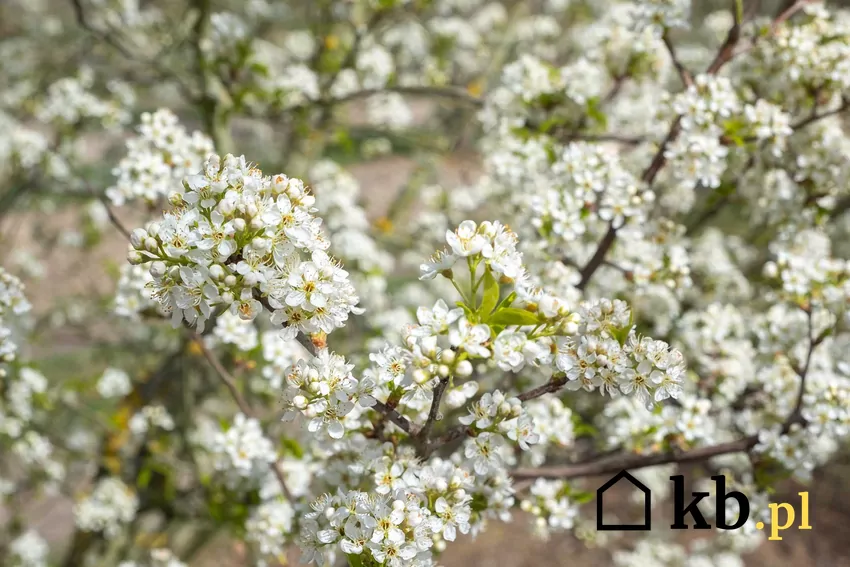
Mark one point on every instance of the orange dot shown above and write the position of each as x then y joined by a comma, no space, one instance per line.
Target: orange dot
759,525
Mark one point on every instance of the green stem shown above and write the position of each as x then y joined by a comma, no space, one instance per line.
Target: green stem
214,112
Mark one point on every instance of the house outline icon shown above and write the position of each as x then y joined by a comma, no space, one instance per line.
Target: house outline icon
647,502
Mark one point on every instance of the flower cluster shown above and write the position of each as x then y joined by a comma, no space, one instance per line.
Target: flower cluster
495,412
158,159
242,451
662,197
29,550
149,417
269,525
649,369
71,100
662,14
114,383
324,390
110,505
551,506
13,304
236,236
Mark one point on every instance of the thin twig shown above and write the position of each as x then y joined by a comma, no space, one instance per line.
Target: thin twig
553,385
228,380
113,218
788,12
684,74
393,416
454,93
614,138
631,461
225,376
845,104
659,160
455,433
796,416
439,389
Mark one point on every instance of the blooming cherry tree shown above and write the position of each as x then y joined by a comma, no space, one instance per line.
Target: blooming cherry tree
648,267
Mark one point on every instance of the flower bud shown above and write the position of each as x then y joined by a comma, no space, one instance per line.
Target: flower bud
175,198
137,237
151,245
217,271
463,369
153,228
135,258
443,370
239,224
158,269
230,280
448,356
421,376
226,207
260,244
771,270
227,297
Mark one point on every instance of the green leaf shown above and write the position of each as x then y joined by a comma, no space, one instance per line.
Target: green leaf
581,497
354,560
292,447
144,478
508,301
594,111
513,316
491,294
470,314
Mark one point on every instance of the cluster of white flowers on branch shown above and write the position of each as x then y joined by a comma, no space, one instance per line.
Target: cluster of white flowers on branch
667,281
235,237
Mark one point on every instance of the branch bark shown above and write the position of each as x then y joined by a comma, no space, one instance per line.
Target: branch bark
630,461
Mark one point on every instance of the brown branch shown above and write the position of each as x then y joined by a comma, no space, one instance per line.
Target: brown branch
447,437
727,49
116,222
625,140
598,257
795,416
449,92
724,55
439,389
845,104
553,385
225,376
393,416
684,74
631,461
786,14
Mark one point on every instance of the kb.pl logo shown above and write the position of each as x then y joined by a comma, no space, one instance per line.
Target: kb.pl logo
682,508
